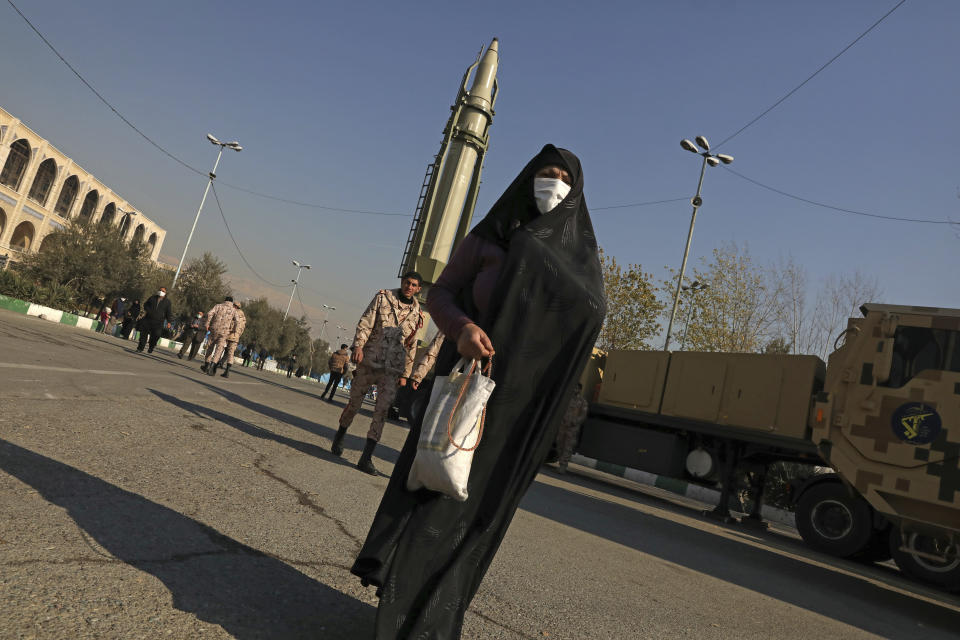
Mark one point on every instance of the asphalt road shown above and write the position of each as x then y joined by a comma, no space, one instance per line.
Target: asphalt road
142,499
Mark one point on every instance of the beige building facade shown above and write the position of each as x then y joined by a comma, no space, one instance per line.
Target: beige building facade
41,188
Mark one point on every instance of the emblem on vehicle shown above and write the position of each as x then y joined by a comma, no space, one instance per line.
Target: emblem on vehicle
916,423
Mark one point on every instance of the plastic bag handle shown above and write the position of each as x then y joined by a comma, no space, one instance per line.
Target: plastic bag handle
485,370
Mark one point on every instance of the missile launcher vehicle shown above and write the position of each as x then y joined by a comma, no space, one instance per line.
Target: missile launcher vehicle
882,417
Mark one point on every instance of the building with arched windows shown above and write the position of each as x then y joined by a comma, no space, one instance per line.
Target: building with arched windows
41,188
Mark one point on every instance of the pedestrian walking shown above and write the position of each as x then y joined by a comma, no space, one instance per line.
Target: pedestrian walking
570,425
157,310
383,349
262,359
119,308
220,322
526,282
247,355
291,363
337,362
233,338
130,319
193,335
104,318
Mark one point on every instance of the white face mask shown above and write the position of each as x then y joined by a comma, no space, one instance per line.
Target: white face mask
161,293
549,192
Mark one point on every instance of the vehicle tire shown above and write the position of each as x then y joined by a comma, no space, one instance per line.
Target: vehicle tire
831,520
945,575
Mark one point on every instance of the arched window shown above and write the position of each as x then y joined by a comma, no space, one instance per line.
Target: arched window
108,214
152,242
68,195
49,243
16,164
22,237
125,224
138,234
3,221
89,205
43,181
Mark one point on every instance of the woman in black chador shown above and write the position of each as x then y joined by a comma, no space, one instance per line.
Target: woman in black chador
526,282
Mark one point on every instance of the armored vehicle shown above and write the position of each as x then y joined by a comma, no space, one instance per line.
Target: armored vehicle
883,415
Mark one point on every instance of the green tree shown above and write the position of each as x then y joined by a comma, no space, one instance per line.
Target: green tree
91,259
200,285
263,326
740,310
321,357
632,306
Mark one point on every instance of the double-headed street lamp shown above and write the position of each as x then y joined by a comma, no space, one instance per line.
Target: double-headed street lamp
300,268
325,316
691,289
213,174
340,330
713,160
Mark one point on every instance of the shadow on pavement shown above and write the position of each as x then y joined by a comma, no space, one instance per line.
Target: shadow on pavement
350,442
218,579
831,593
251,429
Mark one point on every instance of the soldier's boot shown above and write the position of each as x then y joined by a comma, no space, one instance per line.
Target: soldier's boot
204,366
337,447
226,372
212,369
365,463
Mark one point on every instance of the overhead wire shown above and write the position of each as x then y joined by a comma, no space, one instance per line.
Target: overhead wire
267,196
810,77
239,251
835,208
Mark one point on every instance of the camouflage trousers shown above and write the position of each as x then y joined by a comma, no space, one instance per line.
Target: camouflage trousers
228,351
363,378
215,347
566,440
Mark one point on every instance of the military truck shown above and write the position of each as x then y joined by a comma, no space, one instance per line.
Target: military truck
883,415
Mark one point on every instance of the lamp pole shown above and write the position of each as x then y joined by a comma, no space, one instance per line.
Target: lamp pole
713,160
300,268
691,289
213,174
325,316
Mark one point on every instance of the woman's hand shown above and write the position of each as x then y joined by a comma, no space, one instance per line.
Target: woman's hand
473,343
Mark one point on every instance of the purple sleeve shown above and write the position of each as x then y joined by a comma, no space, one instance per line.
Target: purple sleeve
456,276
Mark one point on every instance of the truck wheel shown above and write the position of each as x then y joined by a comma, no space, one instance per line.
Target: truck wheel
829,519
944,574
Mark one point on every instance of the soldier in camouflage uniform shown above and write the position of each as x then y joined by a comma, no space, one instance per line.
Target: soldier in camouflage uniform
569,432
383,350
221,320
239,324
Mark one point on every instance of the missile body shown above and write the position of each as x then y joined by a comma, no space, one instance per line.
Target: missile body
449,192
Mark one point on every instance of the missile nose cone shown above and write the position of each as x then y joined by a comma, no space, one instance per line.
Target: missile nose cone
494,46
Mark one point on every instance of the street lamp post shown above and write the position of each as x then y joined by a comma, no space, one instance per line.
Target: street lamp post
213,174
325,316
300,268
340,330
713,160
692,288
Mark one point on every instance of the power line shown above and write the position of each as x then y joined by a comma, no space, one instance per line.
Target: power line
230,233
811,77
100,96
830,206
313,205
637,204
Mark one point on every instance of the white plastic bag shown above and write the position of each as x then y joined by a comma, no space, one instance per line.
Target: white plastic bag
452,428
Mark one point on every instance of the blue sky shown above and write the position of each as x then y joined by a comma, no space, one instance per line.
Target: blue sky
343,104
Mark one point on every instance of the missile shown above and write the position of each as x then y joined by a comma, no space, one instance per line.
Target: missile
449,191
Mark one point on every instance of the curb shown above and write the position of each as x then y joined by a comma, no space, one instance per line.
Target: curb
679,487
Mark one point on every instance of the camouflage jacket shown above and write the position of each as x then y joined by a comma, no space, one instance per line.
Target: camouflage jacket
387,332
576,412
427,359
338,360
221,319
239,324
